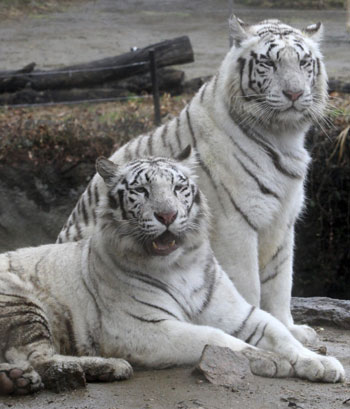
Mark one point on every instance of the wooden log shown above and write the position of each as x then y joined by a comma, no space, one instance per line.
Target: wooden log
168,52
30,96
338,85
169,80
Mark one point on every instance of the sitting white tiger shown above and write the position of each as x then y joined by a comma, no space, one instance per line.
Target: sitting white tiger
248,125
145,287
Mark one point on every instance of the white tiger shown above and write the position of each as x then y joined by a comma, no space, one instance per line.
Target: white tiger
145,287
248,126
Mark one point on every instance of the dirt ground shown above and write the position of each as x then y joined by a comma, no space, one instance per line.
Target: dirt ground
181,388
96,29
101,28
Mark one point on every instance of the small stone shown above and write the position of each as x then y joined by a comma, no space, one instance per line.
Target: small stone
222,366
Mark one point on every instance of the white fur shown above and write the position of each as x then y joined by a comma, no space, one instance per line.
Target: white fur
153,311
217,123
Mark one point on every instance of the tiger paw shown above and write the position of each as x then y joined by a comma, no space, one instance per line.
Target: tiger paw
61,376
304,334
18,379
268,364
106,369
318,368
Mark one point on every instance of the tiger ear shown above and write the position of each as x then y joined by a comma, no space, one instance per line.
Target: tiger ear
106,169
314,31
238,32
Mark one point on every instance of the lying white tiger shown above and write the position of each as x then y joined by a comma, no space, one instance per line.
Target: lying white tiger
145,287
248,125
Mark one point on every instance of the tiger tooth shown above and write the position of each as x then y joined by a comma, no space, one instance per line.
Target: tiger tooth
154,244
172,244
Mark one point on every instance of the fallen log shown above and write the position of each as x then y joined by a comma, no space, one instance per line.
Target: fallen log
168,52
30,96
170,80
338,85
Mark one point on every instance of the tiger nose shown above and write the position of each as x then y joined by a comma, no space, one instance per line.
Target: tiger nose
293,96
166,218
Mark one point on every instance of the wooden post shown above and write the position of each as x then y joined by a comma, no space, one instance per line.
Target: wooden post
155,87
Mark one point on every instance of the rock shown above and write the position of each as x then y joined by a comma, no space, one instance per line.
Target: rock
321,311
222,366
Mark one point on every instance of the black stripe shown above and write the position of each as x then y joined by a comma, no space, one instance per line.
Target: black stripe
246,154
262,335
92,295
149,145
263,189
19,304
190,126
241,65
136,176
136,275
16,325
112,202
156,307
252,334
238,209
177,133
97,196
21,313
276,272
89,193
83,208
36,338
162,135
78,235
121,203
279,249
70,333
144,319
210,275
258,139
244,322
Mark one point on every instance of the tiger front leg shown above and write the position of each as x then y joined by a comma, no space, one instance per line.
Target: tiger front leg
276,289
172,343
229,311
235,246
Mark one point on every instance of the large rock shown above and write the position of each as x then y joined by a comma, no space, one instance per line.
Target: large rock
321,311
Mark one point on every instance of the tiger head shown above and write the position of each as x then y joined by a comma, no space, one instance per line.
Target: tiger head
153,205
279,76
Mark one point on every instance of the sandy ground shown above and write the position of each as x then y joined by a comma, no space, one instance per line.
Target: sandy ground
101,28
107,27
182,389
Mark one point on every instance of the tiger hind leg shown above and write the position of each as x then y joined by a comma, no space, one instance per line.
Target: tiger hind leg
29,361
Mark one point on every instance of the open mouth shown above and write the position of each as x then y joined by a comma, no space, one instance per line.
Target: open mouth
163,245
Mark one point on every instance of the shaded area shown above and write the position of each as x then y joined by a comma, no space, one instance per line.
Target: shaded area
322,257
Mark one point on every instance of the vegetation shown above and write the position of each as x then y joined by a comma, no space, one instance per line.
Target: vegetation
20,8
46,143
